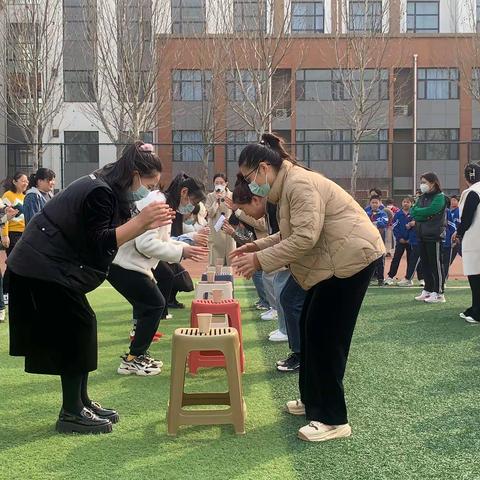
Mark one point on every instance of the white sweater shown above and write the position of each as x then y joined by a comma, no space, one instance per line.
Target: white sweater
144,252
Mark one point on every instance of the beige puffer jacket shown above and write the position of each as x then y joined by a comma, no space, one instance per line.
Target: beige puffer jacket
323,231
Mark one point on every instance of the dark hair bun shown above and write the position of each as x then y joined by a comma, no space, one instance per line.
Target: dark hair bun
472,173
271,140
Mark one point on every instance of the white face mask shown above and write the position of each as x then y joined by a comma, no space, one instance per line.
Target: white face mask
220,188
424,188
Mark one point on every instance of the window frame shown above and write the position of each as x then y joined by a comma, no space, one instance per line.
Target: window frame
181,146
200,87
181,25
90,149
426,77
372,20
416,15
315,16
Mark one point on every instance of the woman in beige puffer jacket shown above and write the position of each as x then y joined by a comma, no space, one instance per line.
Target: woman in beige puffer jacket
329,244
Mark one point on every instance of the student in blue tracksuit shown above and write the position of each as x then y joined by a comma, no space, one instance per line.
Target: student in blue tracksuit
414,265
401,233
447,248
380,219
455,211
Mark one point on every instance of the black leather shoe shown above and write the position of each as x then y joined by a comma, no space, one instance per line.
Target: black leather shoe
101,412
84,422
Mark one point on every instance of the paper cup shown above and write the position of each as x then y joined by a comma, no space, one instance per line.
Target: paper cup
210,277
204,321
218,269
217,295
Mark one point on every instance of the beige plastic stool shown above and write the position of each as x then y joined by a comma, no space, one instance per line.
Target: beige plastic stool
184,341
203,288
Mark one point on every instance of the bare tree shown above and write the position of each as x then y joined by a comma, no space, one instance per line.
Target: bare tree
257,44
130,42
360,81
31,37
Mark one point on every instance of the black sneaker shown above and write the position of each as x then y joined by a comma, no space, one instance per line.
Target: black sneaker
84,422
101,412
292,364
176,304
284,361
381,283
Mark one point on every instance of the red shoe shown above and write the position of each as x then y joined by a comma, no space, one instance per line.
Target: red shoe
157,337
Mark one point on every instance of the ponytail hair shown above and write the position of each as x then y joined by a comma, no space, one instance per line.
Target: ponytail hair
41,174
196,189
136,157
270,149
8,184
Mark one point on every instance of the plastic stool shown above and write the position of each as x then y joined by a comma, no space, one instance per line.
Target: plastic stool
184,341
230,308
204,289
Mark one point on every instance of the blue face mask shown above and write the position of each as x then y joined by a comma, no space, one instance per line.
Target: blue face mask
140,193
186,209
259,190
190,221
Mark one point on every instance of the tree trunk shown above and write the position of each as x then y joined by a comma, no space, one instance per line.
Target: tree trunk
354,176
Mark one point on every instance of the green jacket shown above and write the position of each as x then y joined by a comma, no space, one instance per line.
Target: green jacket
422,214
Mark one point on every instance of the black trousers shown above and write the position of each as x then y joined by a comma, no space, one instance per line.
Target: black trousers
446,260
474,281
432,264
14,238
328,319
400,249
147,301
414,264
379,268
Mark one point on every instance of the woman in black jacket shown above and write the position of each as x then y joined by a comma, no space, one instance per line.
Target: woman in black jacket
65,252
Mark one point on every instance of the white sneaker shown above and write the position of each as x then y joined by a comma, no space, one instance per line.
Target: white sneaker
319,432
278,336
273,332
269,315
2,315
389,281
423,296
405,283
295,407
421,283
471,320
5,298
138,367
435,298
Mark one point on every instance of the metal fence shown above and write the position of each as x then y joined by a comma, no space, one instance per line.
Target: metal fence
386,165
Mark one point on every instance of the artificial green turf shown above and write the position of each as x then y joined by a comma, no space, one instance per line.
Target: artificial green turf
412,388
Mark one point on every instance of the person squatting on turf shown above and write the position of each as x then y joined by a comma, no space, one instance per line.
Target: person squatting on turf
64,253
469,234
429,213
131,275
330,247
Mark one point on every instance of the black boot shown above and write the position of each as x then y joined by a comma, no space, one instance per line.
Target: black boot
84,422
101,412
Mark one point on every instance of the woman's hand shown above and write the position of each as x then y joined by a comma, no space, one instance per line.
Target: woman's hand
246,265
155,215
456,238
228,229
229,203
200,239
247,248
204,231
11,213
197,254
5,241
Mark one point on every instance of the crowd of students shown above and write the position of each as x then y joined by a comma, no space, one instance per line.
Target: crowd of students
308,246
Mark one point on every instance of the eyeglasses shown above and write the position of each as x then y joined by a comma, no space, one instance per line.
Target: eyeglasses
245,177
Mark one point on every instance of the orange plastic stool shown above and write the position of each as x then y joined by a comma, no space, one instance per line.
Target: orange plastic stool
230,308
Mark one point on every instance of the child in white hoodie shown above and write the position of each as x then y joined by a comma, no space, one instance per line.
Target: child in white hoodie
131,275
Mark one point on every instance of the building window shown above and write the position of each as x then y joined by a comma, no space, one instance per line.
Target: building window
478,16
79,25
191,85
307,17
188,16
237,140
81,147
336,145
188,146
249,15
475,145
423,17
242,85
365,16
438,83
444,144
318,85
78,85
